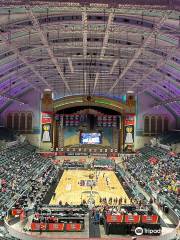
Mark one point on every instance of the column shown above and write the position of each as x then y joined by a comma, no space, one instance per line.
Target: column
61,133
156,118
53,133
162,126
12,120
121,133
25,121
19,114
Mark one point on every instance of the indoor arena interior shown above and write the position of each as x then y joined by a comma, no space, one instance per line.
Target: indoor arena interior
90,119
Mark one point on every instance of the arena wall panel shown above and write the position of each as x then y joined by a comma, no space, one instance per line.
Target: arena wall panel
144,107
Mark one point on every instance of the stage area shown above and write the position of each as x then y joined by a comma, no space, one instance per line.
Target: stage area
75,187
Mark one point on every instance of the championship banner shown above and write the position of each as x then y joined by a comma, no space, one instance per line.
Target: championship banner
46,122
129,122
129,134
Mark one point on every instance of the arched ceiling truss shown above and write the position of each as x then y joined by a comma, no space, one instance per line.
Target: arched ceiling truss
76,49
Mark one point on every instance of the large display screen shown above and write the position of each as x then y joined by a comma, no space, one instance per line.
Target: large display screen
90,138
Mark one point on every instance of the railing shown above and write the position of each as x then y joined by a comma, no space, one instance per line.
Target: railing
173,216
28,236
126,176
169,236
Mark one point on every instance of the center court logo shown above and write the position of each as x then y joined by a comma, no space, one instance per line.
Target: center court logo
139,231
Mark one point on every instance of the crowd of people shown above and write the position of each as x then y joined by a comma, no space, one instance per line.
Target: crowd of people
157,171
129,209
113,201
25,177
72,164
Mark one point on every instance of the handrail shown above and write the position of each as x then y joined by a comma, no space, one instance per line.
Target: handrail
173,216
28,236
168,236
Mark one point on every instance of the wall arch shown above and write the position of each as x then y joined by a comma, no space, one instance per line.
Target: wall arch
80,100
155,124
20,121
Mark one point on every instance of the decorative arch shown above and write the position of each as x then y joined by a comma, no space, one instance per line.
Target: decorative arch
105,102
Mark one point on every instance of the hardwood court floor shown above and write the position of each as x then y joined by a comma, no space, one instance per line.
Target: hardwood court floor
69,189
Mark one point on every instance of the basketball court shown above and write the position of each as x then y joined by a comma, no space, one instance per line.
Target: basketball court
76,186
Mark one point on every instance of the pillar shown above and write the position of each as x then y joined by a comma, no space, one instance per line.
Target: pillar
121,134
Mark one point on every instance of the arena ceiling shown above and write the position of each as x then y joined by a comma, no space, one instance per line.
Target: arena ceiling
96,47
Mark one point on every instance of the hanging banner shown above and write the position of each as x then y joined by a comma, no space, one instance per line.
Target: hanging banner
46,117
46,132
46,122
129,134
129,121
